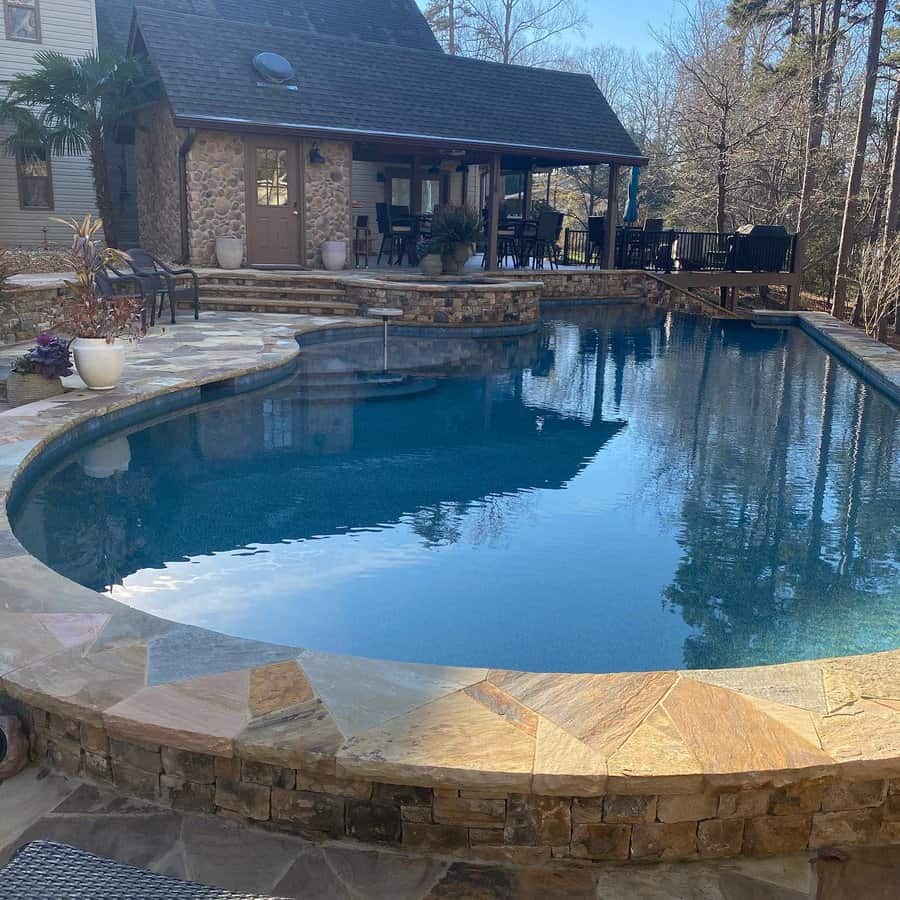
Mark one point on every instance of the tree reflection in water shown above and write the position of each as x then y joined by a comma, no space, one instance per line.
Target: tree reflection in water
631,489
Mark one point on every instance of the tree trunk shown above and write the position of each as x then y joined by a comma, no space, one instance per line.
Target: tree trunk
102,186
884,180
451,21
851,207
820,93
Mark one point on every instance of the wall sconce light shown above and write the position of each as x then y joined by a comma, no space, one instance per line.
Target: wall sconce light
380,178
434,170
315,156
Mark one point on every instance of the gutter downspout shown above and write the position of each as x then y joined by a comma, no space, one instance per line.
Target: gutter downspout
183,152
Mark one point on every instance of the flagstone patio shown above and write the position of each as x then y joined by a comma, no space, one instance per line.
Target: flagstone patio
486,765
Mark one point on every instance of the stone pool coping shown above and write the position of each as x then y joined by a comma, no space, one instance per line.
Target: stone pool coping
630,766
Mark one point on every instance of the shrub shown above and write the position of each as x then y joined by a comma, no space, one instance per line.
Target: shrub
49,357
453,225
85,313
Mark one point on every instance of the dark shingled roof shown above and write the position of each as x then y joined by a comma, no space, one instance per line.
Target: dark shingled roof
379,21
363,89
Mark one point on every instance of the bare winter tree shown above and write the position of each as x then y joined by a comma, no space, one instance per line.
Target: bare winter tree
522,32
851,207
877,279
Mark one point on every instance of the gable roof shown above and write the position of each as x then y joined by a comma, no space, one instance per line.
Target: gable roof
364,91
396,22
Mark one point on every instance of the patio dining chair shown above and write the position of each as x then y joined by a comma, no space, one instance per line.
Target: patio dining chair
131,286
596,240
45,870
397,237
175,284
545,243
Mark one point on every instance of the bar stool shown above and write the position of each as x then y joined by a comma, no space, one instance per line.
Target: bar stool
361,239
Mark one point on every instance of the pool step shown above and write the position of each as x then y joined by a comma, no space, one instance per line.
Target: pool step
350,390
313,303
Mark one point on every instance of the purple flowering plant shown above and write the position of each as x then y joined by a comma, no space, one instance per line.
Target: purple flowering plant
49,357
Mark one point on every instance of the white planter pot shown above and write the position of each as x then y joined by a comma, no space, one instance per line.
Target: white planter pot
98,363
229,252
107,458
334,255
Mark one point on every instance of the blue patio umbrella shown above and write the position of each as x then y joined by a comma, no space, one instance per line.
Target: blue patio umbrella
631,211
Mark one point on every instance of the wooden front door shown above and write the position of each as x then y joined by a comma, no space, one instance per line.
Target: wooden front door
273,201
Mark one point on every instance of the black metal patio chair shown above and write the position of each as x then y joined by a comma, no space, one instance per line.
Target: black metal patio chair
124,285
175,284
44,870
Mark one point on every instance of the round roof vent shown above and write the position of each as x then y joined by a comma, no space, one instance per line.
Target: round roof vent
273,67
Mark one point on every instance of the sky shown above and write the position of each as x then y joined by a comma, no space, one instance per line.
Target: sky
623,22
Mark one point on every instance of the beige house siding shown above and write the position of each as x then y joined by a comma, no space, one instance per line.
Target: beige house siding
68,26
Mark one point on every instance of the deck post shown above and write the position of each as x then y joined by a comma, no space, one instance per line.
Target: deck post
415,187
494,213
612,218
526,198
793,289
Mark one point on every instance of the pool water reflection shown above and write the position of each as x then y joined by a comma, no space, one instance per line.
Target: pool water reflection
623,490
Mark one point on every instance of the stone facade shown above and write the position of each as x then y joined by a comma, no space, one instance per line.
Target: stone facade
505,303
158,182
326,198
485,825
216,193
24,314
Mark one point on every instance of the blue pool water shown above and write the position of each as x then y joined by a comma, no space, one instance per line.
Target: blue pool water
622,490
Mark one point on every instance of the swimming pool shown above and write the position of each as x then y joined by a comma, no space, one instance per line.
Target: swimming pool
624,489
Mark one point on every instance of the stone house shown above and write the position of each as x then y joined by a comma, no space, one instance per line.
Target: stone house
283,122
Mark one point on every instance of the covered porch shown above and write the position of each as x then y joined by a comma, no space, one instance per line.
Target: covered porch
508,186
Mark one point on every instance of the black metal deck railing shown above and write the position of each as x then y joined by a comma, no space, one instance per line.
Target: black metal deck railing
685,251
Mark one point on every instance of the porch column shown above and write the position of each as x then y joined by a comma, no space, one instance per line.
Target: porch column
415,188
612,217
493,214
526,200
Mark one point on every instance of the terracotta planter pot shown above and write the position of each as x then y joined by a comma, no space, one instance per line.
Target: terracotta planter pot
99,363
22,389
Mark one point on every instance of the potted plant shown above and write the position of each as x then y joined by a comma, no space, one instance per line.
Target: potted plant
229,252
36,375
430,261
96,322
454,233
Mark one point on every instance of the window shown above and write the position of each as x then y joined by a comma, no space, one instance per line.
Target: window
23,20
35,179
271,177
431,194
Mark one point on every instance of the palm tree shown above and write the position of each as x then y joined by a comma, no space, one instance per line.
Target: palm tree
72,106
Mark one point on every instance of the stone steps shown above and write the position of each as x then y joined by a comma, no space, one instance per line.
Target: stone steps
312,304
274,291
265,280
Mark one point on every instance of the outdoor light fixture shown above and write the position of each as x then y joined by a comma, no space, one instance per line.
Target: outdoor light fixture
315,156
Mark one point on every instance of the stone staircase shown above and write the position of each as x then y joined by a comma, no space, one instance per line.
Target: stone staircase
314,295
